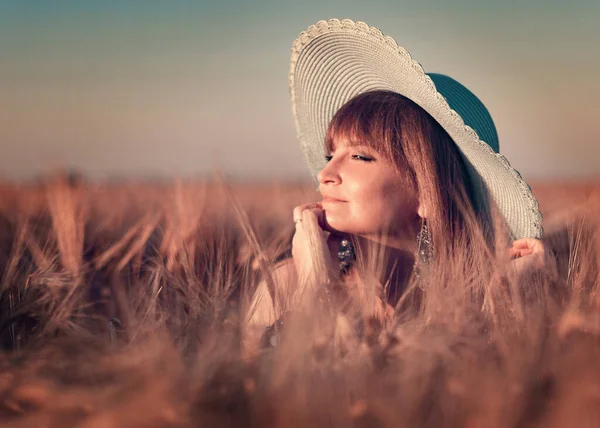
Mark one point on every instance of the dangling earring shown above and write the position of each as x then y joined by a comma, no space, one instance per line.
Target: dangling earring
346,256
424,244
424,251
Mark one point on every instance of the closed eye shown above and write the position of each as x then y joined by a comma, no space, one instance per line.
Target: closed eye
363,158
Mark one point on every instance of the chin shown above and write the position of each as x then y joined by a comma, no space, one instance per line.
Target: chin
337,227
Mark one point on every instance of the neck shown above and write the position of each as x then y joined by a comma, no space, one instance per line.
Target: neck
386,252
400,241
390,257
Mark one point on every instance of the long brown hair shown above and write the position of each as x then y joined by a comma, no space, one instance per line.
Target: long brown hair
424,153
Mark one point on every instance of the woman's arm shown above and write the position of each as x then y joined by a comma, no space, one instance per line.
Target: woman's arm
262,311
296,280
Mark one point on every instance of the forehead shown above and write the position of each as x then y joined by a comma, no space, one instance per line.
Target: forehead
344,142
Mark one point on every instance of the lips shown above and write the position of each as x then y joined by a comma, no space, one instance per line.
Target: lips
328,198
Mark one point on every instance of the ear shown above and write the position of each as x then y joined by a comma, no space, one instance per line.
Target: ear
422,210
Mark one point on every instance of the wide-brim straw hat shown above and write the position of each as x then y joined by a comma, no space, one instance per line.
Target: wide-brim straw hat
335,60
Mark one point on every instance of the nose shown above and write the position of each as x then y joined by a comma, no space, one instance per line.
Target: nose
329,174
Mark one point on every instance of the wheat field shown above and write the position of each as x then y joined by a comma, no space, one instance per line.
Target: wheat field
122,304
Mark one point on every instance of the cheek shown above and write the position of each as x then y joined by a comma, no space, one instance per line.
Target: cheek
383,203
373,205
371,202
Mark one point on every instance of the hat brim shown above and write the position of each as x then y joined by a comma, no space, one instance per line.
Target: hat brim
333,61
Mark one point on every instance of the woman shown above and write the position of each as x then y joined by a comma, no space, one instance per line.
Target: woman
409,174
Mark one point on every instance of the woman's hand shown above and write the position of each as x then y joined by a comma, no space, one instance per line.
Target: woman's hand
530,254
309,246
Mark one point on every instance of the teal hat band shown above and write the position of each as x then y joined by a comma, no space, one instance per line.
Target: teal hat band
469,107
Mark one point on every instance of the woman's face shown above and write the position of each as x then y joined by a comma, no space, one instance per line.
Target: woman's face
363,194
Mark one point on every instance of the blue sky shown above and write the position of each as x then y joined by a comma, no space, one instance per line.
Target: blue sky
181,87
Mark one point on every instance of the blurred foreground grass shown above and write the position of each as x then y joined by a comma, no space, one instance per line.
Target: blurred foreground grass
120,306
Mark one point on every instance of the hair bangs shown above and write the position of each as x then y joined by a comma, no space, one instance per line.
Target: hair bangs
363,122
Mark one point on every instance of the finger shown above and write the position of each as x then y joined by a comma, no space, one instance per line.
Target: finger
315,209
312,231
520,243
527,264
520,252
311,224
536,246
533,243
514,251
525,243
320,214
311,215
297,212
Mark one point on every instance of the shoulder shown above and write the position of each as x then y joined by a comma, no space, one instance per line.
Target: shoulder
284,271
262,309
284,276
